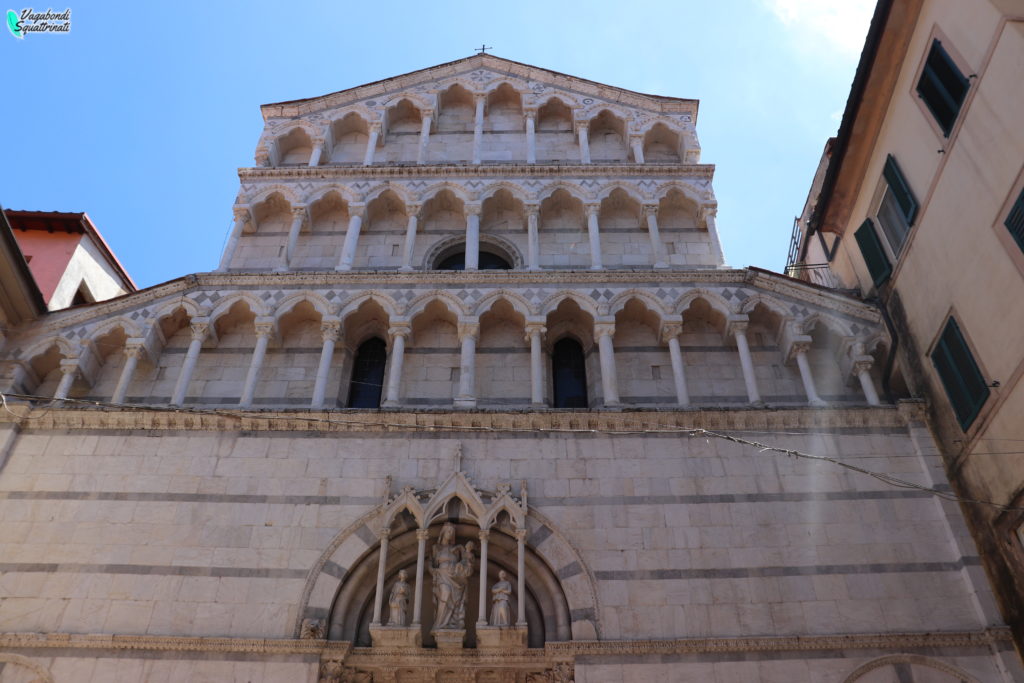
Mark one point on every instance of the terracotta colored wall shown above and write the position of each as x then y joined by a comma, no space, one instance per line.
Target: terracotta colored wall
50,254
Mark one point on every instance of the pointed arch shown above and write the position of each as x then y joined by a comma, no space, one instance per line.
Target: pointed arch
341,190
417,100
772,304
64,347
256,305
606,190
834,324
261,193
350,306
715,300
649,300
399,190
572,189
513,189
449,301
314,299
698,197
311,129
585,303
127,325
192,309
432,191
517,301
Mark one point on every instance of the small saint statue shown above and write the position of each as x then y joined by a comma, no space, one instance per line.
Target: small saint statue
451,566
501,597
398,601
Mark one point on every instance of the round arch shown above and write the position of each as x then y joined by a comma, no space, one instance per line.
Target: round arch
340,586
575,191
646,298
502,246
316,300
129,326
452,303
350,306
957,674
262,193
585,303
714,300
518,303
256,305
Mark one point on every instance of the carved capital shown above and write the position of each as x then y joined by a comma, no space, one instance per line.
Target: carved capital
532,210
422,534
299,211
485,534
799,346
738,327
863,365
133,350
413,209
399,329
582,125
604,330
671,331
357,210
375,127
592,209
520,535
530,113
330,329
535,330
469,329
650,210
241,213
473,209
69,366
384,534
200,330
264,328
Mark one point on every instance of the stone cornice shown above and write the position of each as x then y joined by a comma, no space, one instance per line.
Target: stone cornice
343,651
499,66
446,420
509,170
834,301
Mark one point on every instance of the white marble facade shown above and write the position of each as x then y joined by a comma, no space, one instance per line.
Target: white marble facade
203,491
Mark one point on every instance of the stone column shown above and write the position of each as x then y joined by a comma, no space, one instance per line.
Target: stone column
200,330
468,334
712,228
131,361
472,236
670,333
521,577
298,217
242,218
329,330
739,331
595,236
535,333
481,617
609,382
532,237
421,551
318,150
478,128
68,368
657,246
531,136
799,350
421,157
398,332
348,249
637,143
264,328
862,368
410,236
378,599
371,144
583,131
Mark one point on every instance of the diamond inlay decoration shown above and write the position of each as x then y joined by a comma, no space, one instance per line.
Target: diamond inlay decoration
727,294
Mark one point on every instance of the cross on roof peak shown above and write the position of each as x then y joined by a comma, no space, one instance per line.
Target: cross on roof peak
483,48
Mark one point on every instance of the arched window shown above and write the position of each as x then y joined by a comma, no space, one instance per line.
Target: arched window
569,373
368,374
488,261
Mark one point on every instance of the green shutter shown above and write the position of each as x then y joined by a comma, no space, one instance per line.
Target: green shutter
942,87
1015,221
962,379
873,253
900,189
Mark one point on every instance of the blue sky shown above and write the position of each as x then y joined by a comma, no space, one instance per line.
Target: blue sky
142,114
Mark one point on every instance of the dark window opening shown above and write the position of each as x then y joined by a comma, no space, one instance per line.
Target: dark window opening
898,208
487,261
82,296
874,256
1015,221
961,378
569,374
368,374
942,87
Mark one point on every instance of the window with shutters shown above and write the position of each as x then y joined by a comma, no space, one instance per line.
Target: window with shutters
881,236
961,377
873,253
942,87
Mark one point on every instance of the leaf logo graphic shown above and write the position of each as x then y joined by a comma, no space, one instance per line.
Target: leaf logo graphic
12,24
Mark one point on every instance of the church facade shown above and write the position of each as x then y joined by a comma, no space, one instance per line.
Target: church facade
472,396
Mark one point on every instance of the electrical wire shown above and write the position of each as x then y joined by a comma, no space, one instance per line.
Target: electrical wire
697,432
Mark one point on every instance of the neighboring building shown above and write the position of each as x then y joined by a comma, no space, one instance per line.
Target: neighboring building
922,210
68,257
20,298
482,303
